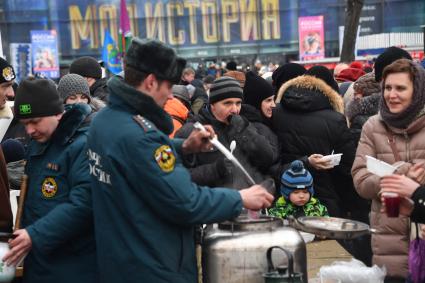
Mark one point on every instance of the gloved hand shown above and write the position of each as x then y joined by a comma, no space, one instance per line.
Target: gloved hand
237,124
224,167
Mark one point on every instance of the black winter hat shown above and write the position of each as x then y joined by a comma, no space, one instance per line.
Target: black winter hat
154,57
390,55
223,88
323,73
86,66
7,72
231,66
37,98
285,73
256,89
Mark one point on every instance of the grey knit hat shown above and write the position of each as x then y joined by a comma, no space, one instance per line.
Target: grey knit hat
72,84
223,88
181,92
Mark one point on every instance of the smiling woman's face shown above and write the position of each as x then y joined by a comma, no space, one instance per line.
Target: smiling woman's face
398,92
267,106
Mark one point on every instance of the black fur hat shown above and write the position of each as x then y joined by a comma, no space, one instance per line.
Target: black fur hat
154,57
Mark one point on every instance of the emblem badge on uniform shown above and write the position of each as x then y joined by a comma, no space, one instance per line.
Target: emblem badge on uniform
8,74
165,158
49,187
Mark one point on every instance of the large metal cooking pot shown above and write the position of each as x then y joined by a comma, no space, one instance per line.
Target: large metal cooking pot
233,251
6,272
330,227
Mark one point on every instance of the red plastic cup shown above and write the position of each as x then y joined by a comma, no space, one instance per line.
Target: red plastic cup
392,204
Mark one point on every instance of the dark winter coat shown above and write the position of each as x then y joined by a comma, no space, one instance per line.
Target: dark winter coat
58,209
262,124
253,150
308,119
100,89
144,202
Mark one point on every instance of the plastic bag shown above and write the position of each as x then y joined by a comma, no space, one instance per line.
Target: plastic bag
353,271
417,260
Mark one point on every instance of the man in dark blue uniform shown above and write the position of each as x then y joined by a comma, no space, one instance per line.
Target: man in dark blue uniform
144,203
58,220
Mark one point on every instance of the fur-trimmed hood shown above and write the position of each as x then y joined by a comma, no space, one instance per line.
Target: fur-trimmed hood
309,93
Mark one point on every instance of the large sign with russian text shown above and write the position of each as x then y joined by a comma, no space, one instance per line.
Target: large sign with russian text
178,23
200,27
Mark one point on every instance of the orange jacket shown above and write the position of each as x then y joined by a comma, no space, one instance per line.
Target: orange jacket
178,111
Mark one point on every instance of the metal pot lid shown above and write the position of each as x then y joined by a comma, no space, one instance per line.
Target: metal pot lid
244,223
332,224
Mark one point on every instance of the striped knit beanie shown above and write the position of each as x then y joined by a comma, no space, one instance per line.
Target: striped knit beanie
296,178
223,88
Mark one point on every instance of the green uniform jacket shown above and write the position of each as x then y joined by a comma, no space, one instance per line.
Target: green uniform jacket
57,211
145,205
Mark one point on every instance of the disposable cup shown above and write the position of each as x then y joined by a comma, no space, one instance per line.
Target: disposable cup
392,203
7,273
334,159
379,167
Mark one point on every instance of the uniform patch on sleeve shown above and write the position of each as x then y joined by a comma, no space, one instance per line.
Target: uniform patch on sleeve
165,158
49,187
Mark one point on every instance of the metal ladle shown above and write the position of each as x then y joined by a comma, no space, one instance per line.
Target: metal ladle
229,155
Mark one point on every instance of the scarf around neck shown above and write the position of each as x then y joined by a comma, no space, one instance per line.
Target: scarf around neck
414,110
142,103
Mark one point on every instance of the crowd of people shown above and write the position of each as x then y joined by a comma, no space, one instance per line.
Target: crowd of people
119,175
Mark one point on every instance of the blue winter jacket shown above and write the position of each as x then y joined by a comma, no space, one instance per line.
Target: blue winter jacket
144,203
57,211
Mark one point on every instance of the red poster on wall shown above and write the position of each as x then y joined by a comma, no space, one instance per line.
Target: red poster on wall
311,38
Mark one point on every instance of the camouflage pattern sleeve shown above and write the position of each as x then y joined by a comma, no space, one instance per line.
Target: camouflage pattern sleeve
315,208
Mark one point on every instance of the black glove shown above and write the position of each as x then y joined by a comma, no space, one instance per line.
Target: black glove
237,124
224,167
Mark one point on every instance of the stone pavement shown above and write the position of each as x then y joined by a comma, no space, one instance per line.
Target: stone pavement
320,253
